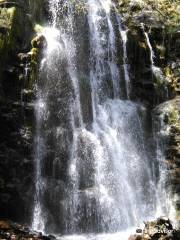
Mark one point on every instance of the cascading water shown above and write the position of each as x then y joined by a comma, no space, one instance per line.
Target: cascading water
123,33
164,194
92,176
156,71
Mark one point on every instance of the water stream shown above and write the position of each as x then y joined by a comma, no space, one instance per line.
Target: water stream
93,179
156,71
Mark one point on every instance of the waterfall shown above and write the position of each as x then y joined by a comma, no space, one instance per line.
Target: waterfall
156,71
92,177
163,192
123,33
125,65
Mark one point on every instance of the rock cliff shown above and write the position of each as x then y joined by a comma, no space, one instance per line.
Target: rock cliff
17,23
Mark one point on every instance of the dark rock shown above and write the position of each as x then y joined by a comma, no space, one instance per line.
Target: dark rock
11,230
17,108
3,30
177,47
8,4
24,57
51,237
135,237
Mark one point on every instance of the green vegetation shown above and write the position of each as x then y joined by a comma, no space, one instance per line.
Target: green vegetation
168,11
10,30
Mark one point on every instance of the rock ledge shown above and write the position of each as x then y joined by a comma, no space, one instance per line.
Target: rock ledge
14,231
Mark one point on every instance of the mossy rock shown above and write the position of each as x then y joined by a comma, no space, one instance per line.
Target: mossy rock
39,42
14,38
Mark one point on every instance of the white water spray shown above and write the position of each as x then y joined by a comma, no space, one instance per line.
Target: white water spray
95,179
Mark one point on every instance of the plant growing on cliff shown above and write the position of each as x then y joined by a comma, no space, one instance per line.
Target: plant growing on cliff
167,10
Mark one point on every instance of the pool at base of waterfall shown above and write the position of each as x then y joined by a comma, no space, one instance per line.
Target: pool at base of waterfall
102,236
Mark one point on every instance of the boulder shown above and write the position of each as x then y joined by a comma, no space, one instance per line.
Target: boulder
160,229
14,231
39,42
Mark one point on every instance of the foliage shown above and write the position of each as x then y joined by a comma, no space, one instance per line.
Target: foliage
167,10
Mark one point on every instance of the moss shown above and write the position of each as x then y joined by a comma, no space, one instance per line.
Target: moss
34,55
80,6
172,113
12,20
174,116
172,29
38,28
178,217
16,30
165,11
2,46
34,66
143,45
16,36
5,22
38,43
17,27
173,78
161,51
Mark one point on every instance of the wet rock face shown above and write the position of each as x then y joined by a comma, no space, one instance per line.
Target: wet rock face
140,65
167,115
17,19
147,85
160,21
